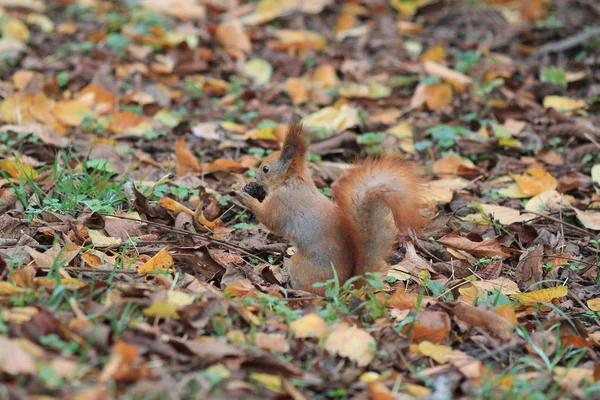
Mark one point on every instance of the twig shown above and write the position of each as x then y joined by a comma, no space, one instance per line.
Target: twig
567,43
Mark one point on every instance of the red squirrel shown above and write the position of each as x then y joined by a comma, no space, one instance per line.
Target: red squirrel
354,235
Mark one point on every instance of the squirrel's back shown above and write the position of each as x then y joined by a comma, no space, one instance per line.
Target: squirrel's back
375,200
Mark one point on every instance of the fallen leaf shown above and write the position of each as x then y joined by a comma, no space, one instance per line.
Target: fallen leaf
269,381
325,76
71,112
434,53
14,360
311,325
123,364
162,309
594,304
457,79
123,121
484,319
564,104
351,342
486,248
541,296
259,70
232,36
438,95
17,169
15,29
335,119
589,219
439,353
297,89
535,180
186,161
272,342
161,262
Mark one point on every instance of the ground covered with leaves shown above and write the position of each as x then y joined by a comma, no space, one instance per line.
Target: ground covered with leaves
129,270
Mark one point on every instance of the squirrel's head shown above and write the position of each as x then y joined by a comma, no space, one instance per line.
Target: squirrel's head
285,163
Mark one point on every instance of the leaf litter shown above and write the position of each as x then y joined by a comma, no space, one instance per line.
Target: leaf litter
127,268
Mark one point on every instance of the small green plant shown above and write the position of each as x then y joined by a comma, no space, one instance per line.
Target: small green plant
554,76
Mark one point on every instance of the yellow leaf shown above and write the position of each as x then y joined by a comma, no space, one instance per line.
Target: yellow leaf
8,288
259,70
17,108
505,215
297,89
439,353
160,262
99,239
402,130
325,76
513,191
16,169
301,39
45,23
535,180
15,29
438,96
351,342
563,104
434,53
594,304
125,121
541,296
367,91
241,288
333,118
71,112
162,309
311,325
268,381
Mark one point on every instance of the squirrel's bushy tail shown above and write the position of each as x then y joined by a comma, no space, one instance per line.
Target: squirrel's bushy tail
368,196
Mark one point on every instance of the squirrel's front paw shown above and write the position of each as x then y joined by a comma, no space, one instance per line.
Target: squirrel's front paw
245,198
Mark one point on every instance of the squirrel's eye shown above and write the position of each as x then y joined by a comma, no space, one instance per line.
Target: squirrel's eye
266,169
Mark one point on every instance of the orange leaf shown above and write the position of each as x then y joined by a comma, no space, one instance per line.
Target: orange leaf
186,161
484,319
123,364
594,304
16,169
241,288
434,53
174,207
438,96
225,164
351,342
404,301
160,262
124,120
535,180
95,96
541,296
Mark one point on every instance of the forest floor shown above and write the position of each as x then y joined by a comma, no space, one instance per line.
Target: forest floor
129,270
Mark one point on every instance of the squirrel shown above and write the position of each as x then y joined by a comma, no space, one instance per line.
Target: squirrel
354,235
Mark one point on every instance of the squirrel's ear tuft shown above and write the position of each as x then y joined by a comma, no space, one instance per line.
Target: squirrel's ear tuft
295,144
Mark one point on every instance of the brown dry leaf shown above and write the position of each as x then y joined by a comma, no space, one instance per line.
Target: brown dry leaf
549,200
484,319
487,248
232,36
123,364
438,95
529,269
442,191
14,360
411,265
311,325
352,342
589,219
297,89
161,262
571,378
447,167
541,296
533,10
276,342
535,180
457,79
186,161
182,9
433,326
